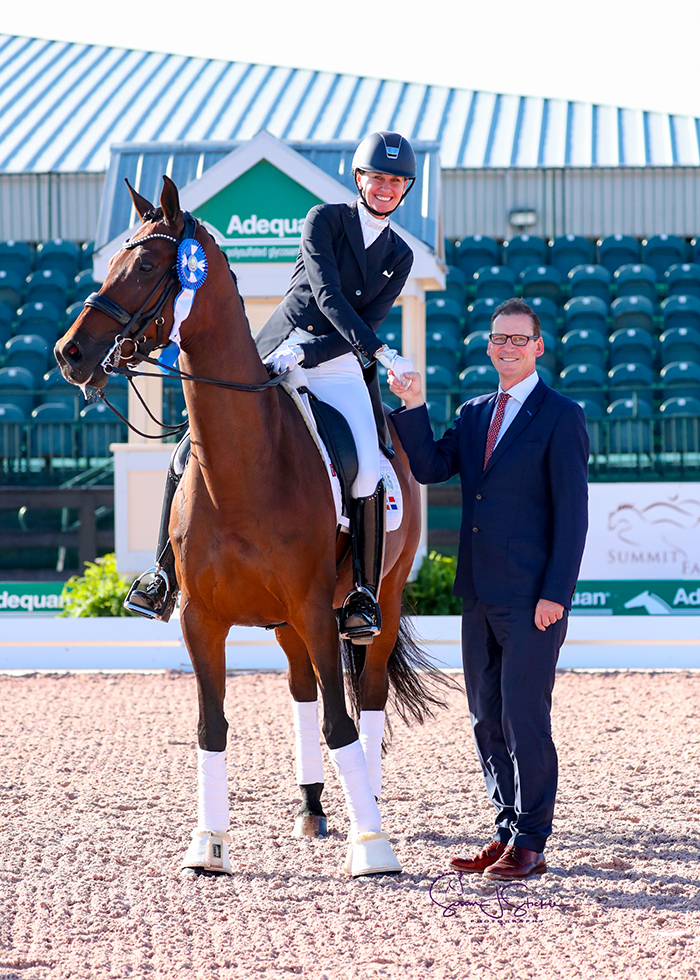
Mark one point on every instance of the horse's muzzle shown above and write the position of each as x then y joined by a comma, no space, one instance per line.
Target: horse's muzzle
75,366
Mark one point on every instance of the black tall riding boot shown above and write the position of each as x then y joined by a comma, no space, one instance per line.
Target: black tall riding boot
155,593
360,616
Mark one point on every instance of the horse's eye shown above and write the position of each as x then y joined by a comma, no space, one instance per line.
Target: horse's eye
145,266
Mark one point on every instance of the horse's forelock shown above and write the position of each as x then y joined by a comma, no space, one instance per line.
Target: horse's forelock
155,214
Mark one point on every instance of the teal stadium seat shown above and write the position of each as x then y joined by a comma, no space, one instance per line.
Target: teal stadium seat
636,312
681,378
590,280
390,335
439,406
117,391
494,282
52,431
629,428
47,286
474,252
479,314
481,379
584,381
72,314
617,250
586,313
87,250
30,352
11,285
100,427
39,319
636,280
547,313
594,412
524,250
84,284
548,360
6,318
545,374
438,378
694,250
444,315
631,379
662,251
569,251
11,426
16,257
475,345
583,347
631,345
541,280
59,254
683,280
17,388
680,344
681,311
680,429
56,390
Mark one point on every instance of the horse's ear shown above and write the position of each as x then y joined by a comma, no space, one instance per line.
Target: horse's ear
170,200
140,202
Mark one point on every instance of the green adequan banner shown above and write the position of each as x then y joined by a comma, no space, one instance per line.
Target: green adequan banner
29,597
259,216
638,598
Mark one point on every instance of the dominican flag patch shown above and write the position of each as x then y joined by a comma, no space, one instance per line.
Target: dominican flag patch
394,498
391,502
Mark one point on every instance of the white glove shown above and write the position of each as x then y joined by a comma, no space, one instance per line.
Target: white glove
285,358
392,361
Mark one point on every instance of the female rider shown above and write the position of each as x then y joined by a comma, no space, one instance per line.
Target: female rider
350,269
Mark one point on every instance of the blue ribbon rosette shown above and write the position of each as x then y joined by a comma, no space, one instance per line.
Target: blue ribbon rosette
191,271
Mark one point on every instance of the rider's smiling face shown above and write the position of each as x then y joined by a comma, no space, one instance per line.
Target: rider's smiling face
381,191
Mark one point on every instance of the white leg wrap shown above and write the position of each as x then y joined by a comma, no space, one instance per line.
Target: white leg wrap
307,742
371,734
213,792
349,763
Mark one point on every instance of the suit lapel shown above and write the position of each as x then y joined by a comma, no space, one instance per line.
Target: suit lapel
526,414
353,229
482,429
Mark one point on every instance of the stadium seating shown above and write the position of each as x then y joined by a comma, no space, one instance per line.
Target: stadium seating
11,424
545,374
631,346
590,280
594,412
40,319
440,350
636,280
584,381
683,280
475,345
52,432
59,254
681,379
617,250
680,344
17,388
586,313
117,392
455,287
475,252
444,315
6,318
569,251
631,378
30,352
74,311
633,312
438,378
11,284
494,282
439,406
16,257
47,286
548,360
546,312
479,314
662,251
87,250
100,427
681,424
524,250
478,380
541,280
630,426
584,347
681,311
56,390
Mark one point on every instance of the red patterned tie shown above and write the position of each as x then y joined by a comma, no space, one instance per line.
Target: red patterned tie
495,426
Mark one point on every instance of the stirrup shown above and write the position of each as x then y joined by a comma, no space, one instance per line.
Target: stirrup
155,601
360,604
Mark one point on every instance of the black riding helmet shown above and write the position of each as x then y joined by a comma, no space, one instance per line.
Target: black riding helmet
385,153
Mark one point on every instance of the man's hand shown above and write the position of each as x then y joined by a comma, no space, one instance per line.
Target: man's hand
546,613
411,396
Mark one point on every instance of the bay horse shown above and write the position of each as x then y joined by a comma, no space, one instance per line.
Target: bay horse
255,537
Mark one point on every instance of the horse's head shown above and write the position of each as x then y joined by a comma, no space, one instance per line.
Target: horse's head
135,301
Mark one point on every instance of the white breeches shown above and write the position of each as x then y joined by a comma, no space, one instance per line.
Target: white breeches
340,383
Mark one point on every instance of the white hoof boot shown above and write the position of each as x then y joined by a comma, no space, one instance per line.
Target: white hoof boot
371,854
209,850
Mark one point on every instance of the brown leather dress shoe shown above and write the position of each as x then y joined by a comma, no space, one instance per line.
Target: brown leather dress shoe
516,863
481,861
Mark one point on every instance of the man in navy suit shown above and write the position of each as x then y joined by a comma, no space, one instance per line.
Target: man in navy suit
522,457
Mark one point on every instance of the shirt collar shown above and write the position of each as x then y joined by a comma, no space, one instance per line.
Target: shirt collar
376,224
524,388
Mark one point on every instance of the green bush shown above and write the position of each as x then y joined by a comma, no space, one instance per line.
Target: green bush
431,592
99,592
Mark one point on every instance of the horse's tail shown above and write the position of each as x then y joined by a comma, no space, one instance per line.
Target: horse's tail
417,687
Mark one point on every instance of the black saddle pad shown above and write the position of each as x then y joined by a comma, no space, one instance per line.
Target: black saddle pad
338,439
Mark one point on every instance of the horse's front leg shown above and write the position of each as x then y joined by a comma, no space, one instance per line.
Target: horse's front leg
206,643
310,819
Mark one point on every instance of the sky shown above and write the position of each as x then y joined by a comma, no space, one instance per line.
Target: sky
640,54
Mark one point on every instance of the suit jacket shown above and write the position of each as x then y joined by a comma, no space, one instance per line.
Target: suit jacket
340,292
524,517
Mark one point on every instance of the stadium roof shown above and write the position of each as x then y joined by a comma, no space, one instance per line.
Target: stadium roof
62,105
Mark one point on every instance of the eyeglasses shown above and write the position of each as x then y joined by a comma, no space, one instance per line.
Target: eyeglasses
517,339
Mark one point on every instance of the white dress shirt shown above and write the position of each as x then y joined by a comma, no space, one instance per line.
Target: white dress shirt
518,394
371,227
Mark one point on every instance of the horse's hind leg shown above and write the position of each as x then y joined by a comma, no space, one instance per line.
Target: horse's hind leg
310,819
206,643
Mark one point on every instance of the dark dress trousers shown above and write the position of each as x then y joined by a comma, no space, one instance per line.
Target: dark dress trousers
340,292
524,523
